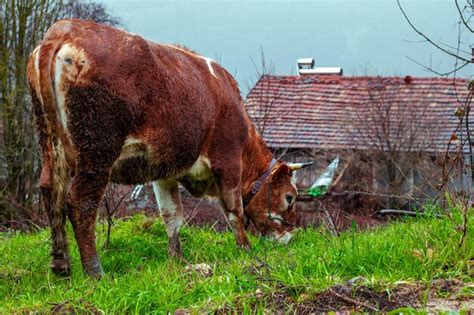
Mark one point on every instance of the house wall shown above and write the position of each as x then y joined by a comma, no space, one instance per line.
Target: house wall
366,173
353,176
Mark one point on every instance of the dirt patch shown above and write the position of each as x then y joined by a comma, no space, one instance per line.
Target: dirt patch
443,295
358,298
450,294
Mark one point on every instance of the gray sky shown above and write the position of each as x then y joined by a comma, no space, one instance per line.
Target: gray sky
363,37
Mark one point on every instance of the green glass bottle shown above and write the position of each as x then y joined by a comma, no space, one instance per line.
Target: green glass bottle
322,183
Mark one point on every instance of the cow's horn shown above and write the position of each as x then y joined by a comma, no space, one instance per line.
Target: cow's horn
298,166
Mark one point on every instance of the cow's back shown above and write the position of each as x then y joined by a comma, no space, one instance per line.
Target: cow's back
170,104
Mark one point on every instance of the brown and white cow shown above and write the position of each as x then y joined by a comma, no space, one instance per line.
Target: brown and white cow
112,106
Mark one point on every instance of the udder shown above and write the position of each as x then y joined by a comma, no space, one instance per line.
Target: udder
135,165
199,179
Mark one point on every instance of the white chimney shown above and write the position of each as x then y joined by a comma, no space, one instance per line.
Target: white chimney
306,66
305,63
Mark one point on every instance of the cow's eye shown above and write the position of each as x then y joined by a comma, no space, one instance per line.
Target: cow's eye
289,198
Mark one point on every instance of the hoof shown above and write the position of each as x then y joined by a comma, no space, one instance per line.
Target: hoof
61,266
96,274
242,241
94,269
175,252
174,248
245,246
63,271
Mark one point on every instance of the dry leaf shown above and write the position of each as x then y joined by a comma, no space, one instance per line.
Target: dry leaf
421,255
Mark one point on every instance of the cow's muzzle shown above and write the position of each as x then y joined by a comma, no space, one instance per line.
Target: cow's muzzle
283,238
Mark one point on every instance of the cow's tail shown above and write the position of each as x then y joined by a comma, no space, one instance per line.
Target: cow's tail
62,149
55,175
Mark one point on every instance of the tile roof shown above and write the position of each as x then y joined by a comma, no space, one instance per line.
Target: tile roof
337,112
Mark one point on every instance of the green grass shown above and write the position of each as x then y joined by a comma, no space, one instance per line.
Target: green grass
141,278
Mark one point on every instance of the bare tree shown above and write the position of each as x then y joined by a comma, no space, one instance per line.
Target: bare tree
22,26
94,11
267,106
462,56
261,109
461,53
399,135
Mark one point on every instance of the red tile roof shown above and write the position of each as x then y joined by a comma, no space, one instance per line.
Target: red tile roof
337,112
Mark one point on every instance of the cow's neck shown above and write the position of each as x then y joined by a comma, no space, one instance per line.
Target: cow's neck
256,159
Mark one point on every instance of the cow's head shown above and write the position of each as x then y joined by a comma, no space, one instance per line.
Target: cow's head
271,209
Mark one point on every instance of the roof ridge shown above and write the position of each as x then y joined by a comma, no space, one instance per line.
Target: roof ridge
326,77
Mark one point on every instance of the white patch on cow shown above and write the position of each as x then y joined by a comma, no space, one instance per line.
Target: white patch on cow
231,217
181,49
276,217
201,169
65,26
208,61
285,237
209,65
61,26
163,197
36,55
167,207
131,148
63,58
132,141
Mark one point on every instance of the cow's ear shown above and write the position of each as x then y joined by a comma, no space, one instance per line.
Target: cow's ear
280,172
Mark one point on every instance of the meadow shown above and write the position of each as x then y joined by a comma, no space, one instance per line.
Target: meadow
358,270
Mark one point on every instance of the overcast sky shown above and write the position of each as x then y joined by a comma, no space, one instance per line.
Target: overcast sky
359,36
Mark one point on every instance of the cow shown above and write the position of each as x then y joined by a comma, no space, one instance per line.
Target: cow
111,106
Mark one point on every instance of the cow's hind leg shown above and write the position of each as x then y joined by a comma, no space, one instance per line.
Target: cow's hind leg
53,197
53,181
98,124
87,190
171,208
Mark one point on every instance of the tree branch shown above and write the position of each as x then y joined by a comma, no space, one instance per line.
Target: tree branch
428,39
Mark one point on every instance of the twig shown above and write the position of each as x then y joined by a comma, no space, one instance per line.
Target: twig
462,17
333,228
410,213
110,214
430,69
355,302
193,212
341,174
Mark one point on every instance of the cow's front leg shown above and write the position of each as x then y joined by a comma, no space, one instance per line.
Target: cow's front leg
231,202
87,190
171,209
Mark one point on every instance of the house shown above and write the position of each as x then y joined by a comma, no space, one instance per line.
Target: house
392,133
